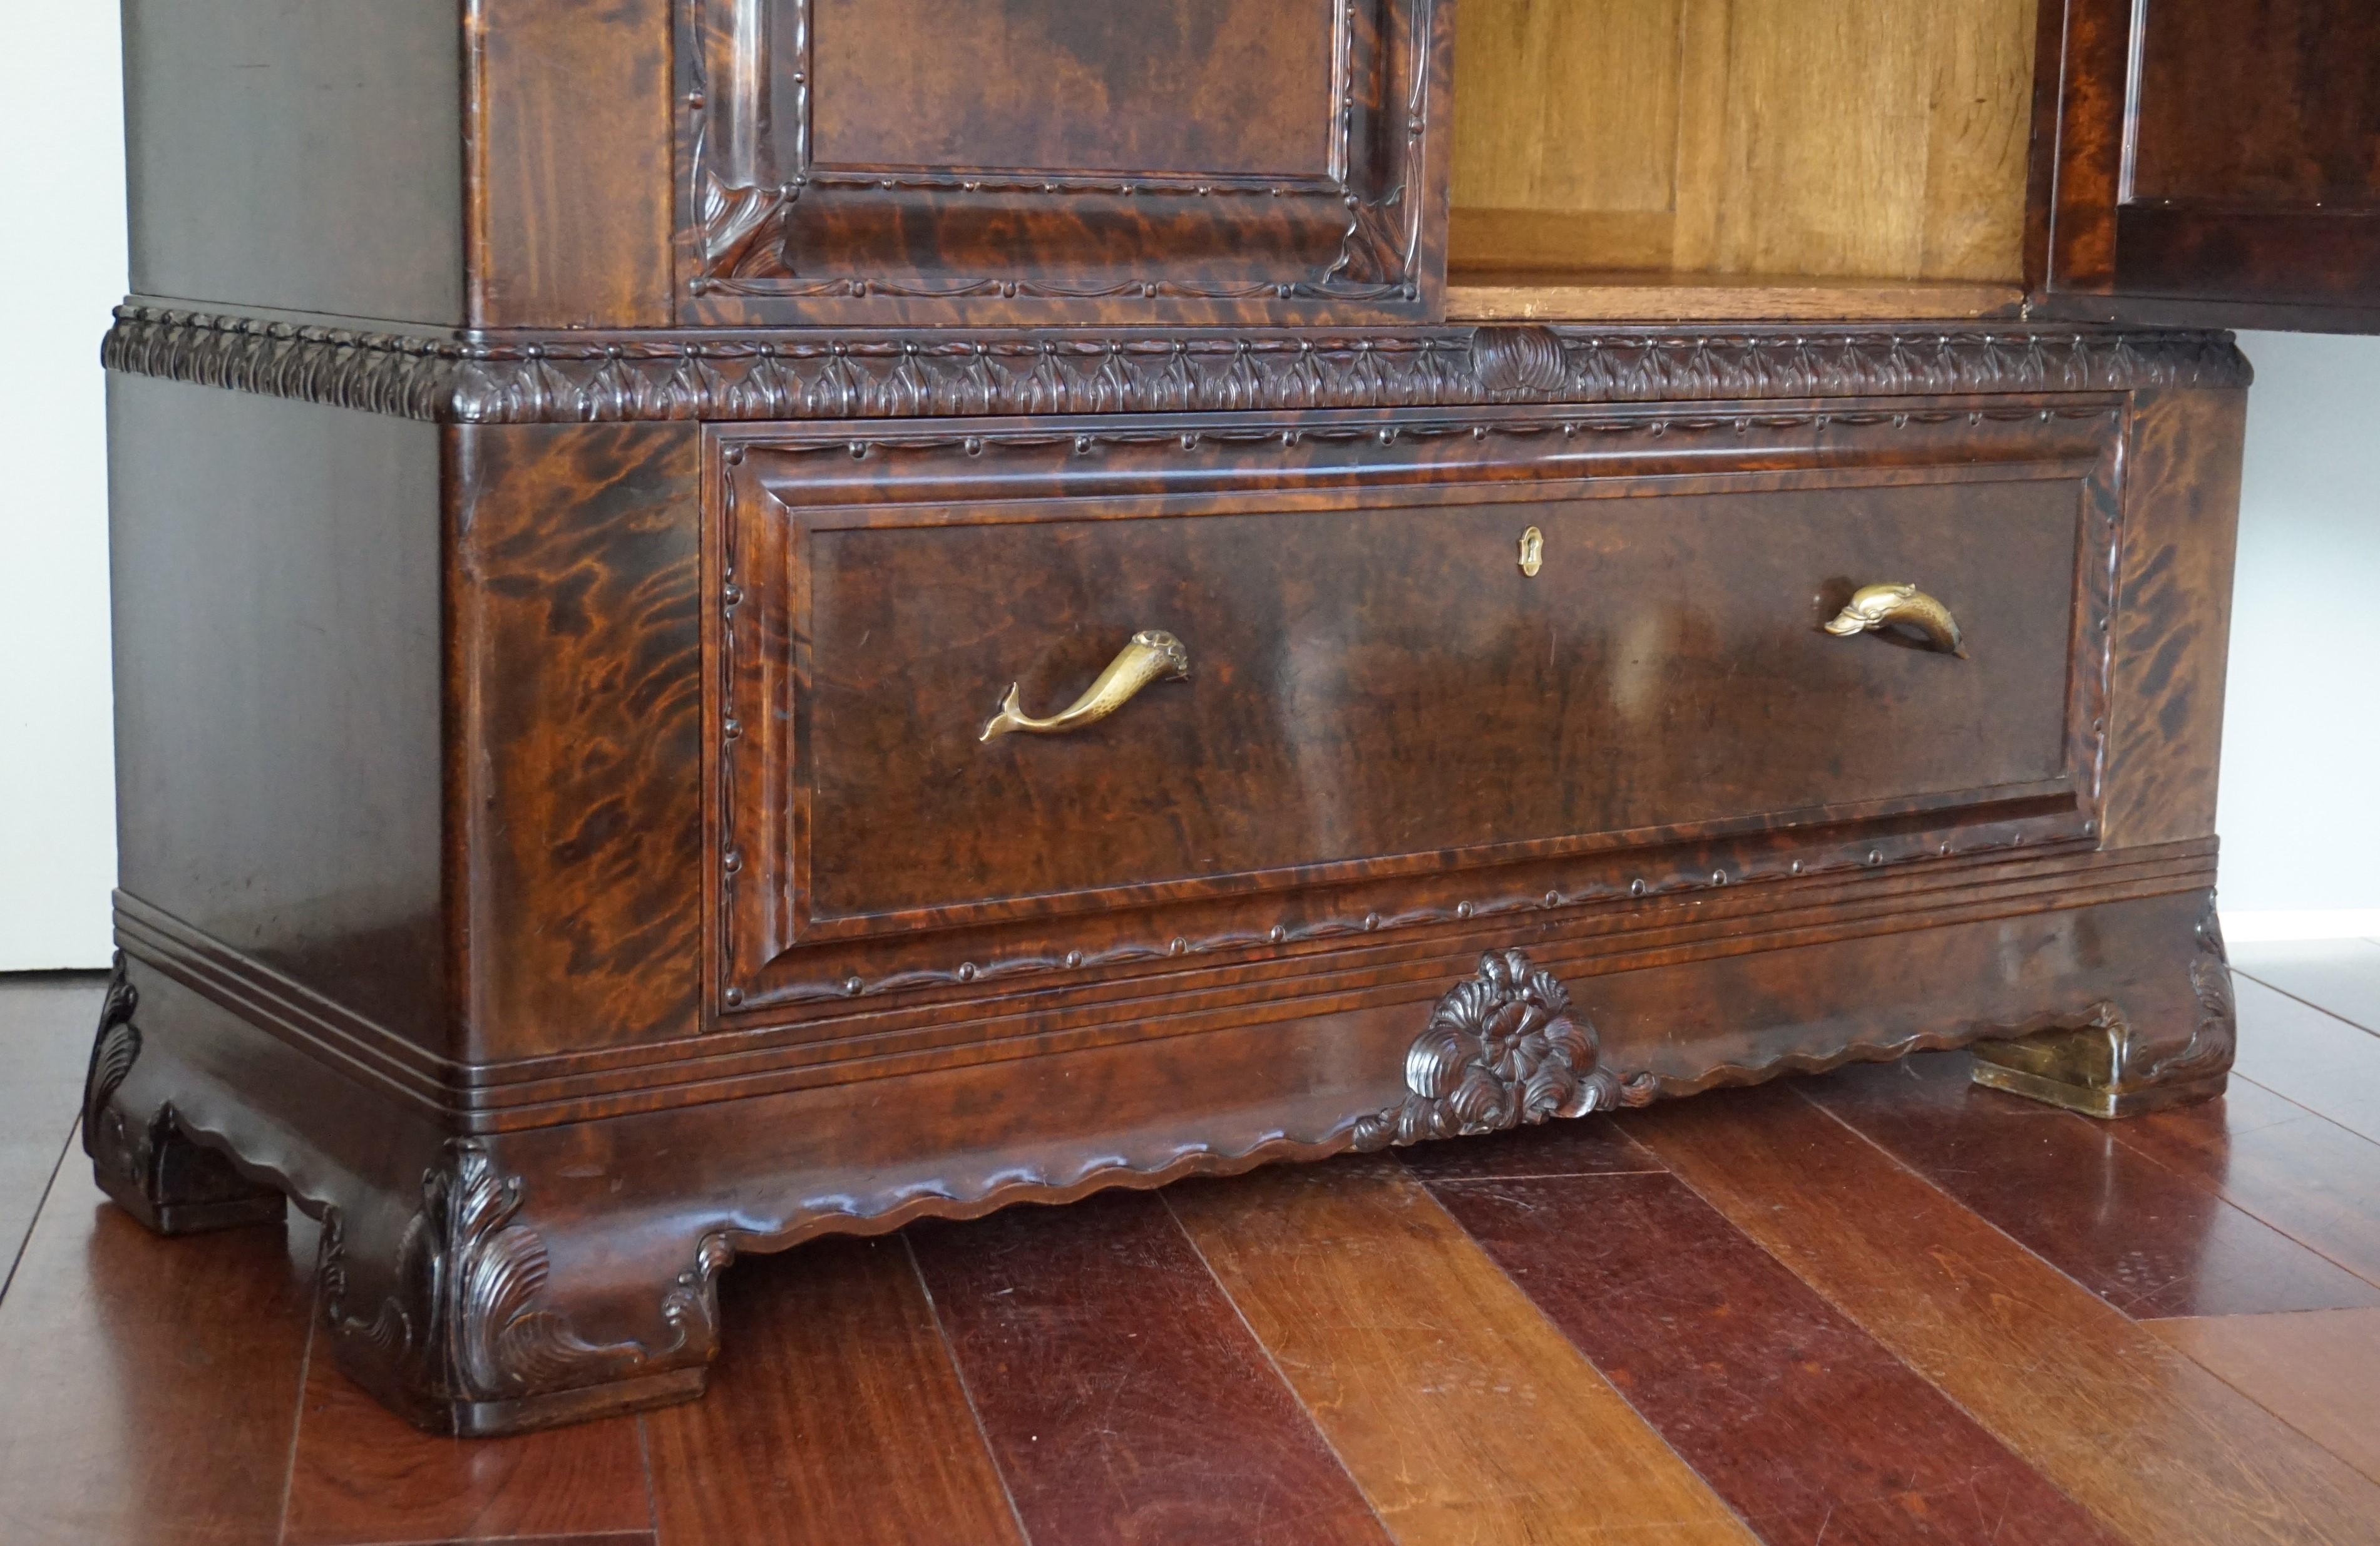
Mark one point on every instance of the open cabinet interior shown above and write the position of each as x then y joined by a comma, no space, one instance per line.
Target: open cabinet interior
1713,159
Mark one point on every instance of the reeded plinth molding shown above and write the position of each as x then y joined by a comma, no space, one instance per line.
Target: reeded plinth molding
816,374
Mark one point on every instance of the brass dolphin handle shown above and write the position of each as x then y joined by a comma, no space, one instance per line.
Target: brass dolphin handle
1153,655
1875,607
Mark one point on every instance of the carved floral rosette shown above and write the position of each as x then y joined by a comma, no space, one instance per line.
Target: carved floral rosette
1501,1050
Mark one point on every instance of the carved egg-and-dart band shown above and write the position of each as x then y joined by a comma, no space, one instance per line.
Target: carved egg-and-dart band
1875,607
1153,655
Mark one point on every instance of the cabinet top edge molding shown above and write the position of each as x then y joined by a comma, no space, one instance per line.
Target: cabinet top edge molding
467,378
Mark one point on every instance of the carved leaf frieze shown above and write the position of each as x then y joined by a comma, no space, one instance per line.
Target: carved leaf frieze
738,375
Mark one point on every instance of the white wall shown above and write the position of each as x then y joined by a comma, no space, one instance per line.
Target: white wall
61,268
2300,801
2299,812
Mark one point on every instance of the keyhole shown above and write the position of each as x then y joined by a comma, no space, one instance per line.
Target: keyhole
1533,551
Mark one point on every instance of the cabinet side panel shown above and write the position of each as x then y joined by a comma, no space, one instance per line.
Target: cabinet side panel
577,685
2173,615
571,161
275,585
300,154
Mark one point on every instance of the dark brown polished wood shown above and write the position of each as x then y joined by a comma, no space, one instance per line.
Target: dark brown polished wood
2211,156
557,644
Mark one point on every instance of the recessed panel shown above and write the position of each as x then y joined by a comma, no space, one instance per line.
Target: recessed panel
903,162
1157,86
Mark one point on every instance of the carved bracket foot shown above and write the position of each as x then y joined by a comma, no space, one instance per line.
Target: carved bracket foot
462,1333
141,1158
2115,1065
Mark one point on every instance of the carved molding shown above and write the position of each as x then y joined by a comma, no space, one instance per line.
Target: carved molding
466,1320
741,375
496,1099
1501,1050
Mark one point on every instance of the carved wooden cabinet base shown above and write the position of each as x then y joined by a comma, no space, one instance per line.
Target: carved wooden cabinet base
731,626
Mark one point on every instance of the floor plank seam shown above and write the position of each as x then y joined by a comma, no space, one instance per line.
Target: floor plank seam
2277,1416
297,1416
2300,998
966,1392
1431,1187
1274,1364
2015,1454
57,1168
2215,1190
652,1483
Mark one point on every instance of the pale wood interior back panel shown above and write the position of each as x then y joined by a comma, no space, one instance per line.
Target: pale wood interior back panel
1870,138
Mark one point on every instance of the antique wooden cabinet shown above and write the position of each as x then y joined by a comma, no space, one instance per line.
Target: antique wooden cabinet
740,619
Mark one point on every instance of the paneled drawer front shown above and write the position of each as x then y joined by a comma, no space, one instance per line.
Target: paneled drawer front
1496,659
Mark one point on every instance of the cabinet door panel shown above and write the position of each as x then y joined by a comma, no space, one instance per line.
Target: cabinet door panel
2222,155
902,162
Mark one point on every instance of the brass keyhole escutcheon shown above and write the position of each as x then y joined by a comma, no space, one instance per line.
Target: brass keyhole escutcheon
1533,551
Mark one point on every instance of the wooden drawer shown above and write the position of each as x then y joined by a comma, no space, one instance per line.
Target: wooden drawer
1386,721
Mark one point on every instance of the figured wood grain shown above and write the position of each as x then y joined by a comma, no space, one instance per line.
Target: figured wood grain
570,207
2318,1371
2318,1060
1807,1427
1318,644
149,1388
2173,621
2152,1444
1420,1361
1168,86
360,1475
2085,134
2141,1238
837,1416
2304,1174
574,755
1883,138
1123,1399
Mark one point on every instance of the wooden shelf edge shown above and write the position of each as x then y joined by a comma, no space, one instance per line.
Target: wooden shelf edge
1557,298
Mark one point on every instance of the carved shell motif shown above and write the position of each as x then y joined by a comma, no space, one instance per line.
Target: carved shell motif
467,1321
2209,1048
480,1276
113,1051
1501,1050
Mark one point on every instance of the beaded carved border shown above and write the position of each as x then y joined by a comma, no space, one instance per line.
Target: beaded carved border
722,376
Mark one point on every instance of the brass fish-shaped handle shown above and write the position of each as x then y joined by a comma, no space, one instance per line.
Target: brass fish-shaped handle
1875,607
1153,655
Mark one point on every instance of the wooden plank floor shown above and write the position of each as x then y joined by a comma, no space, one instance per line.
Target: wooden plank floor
1878,1306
